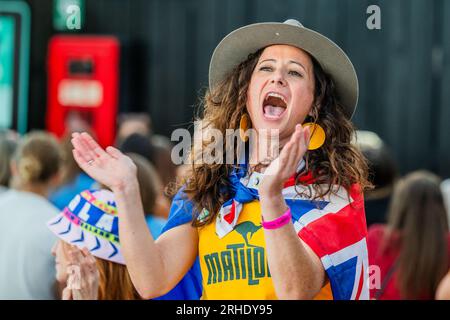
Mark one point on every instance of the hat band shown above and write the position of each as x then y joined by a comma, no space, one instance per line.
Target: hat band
99,204
90,228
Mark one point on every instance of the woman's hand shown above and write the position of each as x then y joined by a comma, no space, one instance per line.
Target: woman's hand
283,167
109,167
83,280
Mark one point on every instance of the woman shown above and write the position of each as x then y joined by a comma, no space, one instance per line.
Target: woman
7,147
305,219
24,209
142,145
73,180
383,174
412,250
89,263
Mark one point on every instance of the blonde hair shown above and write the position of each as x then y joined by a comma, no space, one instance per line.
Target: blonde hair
38,158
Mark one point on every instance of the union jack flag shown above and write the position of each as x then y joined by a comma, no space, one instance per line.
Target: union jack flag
334,227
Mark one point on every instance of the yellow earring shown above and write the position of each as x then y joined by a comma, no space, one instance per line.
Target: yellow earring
317,138
244,124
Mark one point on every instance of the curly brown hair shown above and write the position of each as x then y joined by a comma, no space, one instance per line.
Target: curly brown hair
337,162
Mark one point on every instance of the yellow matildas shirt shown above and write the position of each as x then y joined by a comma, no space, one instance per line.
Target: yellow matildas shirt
235,267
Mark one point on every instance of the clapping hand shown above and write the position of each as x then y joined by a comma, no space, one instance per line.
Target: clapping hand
83,279
109,167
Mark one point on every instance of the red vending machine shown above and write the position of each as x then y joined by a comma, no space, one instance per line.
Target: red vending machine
83,73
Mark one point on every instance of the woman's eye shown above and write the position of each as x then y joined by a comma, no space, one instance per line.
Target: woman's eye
295,73
265,68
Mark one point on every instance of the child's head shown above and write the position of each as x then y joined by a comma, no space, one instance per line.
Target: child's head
37,160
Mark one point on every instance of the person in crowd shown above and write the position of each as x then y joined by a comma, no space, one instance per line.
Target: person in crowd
445,188
26,267
130,123
413,249
149,186
73,180
7,148
141,145
88,260
150,189
299,213
76,121
163,161
133,128
382,174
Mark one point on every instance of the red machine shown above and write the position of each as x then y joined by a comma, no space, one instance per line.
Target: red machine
83,74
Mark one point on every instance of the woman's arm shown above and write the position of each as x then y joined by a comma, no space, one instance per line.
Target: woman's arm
154,267
297,272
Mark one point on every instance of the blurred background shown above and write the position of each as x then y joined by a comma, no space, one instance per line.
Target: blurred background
165,47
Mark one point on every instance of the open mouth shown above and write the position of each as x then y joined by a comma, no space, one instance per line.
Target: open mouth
274,105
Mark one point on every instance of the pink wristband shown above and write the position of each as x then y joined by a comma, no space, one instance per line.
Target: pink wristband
278,222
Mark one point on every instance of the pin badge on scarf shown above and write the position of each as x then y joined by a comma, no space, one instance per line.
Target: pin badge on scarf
203,215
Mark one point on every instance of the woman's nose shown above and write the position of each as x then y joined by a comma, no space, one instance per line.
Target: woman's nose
278,79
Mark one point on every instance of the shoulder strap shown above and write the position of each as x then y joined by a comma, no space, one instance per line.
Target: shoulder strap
386,280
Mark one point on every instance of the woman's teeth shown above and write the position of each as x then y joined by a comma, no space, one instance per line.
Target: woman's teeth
275,95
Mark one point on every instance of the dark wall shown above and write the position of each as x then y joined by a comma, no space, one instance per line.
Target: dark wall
404,68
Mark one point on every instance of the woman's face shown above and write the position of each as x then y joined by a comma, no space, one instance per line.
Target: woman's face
61,262
281,90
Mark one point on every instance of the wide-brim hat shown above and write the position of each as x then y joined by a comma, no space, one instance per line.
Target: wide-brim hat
91,221
236,47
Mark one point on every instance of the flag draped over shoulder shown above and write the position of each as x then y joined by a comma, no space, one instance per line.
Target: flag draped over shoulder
334,227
